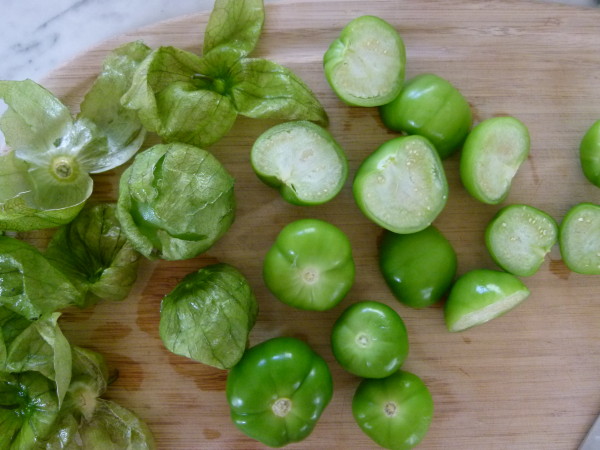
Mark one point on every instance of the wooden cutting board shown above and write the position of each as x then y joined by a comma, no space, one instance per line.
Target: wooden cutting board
527,380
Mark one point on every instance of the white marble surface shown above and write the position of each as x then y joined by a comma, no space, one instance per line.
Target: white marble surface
38,35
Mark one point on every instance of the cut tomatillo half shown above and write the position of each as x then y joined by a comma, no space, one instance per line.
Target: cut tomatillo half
519,237
402,185
579,238
395,411
370,340
302,160
491,157
365,66
310,265
481,295
278,391
589,154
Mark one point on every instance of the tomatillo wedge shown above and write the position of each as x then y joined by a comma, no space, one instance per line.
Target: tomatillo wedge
491,157
402,185
395,412
310,265
302,160
589,154
369,340
419,268
579,239
278,391
365,66
430,106
481,295
519,237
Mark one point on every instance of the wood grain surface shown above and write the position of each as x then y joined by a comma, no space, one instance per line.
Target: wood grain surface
527,380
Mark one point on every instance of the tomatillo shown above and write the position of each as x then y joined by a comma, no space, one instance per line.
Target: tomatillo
395,411
365,66
589,154
402,185
419,268
310,265
278,391
369,340
579,238
481,295
519,237
491,156
432,107
302,160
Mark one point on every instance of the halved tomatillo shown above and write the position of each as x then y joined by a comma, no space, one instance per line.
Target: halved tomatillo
579,238
402,185
491,157
481,295
302,160
365,66
519,237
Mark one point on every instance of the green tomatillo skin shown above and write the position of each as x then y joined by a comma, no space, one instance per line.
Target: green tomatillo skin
310,265
302,160
365,66
402,185
579,239
589,154
432,107
519,237
491,157
419,268
278,391
370,340
481,295
395,411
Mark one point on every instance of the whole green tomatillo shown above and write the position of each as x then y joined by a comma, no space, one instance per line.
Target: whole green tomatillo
419,268
310,265
278,391
432,107
395,411
369,340
589,154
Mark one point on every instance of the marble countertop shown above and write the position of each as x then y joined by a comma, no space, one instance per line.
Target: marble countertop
36,36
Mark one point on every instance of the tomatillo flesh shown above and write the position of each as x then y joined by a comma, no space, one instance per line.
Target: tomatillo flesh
402,185
579,238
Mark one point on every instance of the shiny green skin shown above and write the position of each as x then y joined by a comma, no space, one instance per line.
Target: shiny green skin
589,154
432,107
310,265
579,239
370,340
481,295
280,368
419,268
395,411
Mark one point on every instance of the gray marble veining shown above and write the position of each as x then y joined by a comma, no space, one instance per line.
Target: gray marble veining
37,36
